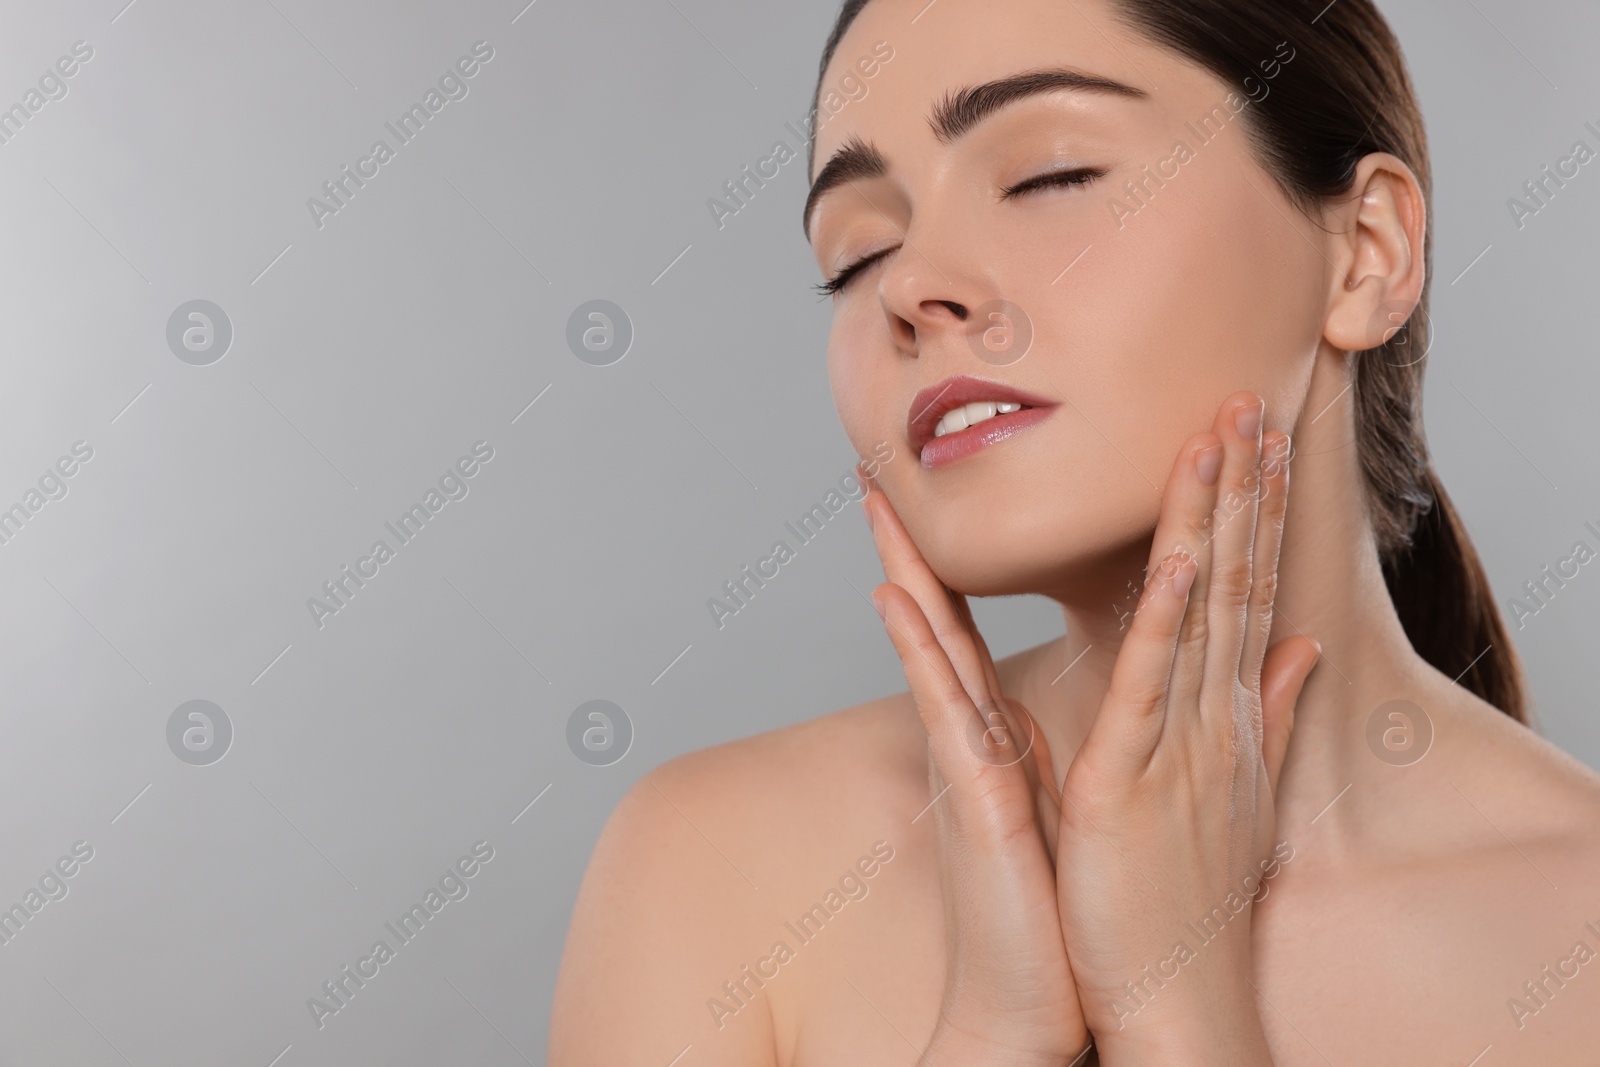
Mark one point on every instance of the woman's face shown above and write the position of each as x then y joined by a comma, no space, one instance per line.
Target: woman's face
1145,310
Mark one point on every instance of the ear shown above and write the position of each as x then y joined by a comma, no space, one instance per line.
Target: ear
1378,256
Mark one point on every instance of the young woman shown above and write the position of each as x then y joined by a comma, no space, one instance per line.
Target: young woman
1271,800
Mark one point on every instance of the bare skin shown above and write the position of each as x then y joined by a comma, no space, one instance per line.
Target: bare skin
1394,936
1418,898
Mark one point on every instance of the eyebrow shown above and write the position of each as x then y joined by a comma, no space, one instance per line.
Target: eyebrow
953,116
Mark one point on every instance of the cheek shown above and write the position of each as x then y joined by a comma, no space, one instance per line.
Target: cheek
858,377
1209,291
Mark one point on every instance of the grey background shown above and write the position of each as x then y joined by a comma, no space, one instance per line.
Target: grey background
368,355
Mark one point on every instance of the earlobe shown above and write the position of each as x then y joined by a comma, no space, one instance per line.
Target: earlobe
1380,266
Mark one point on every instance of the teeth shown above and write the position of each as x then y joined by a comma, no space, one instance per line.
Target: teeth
971,414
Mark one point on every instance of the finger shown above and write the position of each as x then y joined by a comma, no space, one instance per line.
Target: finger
995,797
1265,555
1042,779
1046,789
1286,667
1130,720
964,615
868,480
1039,764
1227,593
1187,506
1038,770
1031,747
1000,737
941,700
904,566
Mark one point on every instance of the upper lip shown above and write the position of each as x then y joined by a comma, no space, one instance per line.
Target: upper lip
930,404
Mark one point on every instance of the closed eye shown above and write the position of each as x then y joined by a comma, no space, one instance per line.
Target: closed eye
1079,176
840,280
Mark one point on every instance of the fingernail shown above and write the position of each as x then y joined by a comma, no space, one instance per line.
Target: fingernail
877,604
1185,578
1248,420
1208,464
867,511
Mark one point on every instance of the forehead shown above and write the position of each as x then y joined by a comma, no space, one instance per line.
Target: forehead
948,45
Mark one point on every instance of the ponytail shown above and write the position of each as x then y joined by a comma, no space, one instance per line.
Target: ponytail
1444,601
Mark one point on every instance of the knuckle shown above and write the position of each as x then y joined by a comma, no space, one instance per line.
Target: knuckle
925,649
1250,676
924,641
1230,579
945,634
1142,695
1194,636
1274,510
935,715
1095,780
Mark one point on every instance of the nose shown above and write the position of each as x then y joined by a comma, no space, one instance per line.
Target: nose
933,287
921,300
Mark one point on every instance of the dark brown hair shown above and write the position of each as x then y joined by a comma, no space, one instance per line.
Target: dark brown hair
1346,94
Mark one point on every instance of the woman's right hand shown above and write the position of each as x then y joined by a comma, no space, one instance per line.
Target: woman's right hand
1009,997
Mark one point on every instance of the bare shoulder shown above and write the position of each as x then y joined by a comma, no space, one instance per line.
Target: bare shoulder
1535,794
1436,912
831,778
697,865
822,765
828,775
718,869
1491,895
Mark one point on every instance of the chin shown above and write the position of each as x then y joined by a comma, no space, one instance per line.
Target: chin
1044,545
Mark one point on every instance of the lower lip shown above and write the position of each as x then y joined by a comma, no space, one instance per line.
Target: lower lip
942,451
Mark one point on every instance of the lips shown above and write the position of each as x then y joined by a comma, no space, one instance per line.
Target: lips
931,404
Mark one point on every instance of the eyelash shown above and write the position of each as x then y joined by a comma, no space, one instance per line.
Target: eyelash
834,284
1079,176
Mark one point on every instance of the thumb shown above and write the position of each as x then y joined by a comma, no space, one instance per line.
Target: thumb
1283,674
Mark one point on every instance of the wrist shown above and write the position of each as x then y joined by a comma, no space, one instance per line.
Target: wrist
1220,1026
951,1046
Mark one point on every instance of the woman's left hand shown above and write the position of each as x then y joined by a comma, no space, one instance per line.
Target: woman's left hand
1167,820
